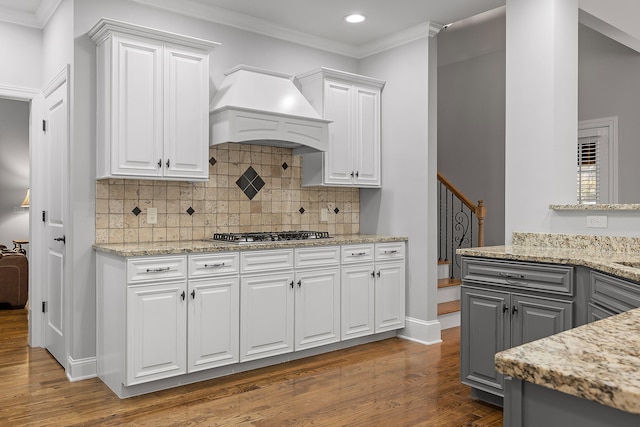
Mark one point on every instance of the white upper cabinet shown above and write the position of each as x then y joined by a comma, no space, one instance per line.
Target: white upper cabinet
153,103
352,103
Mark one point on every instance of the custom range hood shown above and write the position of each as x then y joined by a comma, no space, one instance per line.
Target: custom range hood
257,106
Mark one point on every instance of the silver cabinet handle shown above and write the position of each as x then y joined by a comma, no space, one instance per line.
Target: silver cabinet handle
358,253
216,265
511,275
395,251
158,270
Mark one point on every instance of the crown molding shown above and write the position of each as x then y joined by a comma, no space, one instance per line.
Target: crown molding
266,28
35,20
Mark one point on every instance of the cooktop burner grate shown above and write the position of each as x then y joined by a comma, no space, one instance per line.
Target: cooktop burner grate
270,236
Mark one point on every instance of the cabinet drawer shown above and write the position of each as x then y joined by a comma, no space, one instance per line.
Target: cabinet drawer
357,253
262,261
387,251
556,279
616,295
214,264
317,257
140,270
595,313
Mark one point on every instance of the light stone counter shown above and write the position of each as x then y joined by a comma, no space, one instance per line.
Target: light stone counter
603,253
195,246
599,361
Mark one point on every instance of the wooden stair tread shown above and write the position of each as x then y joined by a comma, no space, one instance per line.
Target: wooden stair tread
444,261
448,307
445,283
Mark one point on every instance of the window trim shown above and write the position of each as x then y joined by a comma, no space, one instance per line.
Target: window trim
612,124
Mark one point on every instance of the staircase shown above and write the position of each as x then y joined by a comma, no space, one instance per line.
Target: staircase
456,218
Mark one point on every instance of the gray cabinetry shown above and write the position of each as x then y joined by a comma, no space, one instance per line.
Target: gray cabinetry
611,295
505,304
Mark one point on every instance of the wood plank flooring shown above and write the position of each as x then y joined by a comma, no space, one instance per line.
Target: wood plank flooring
394,382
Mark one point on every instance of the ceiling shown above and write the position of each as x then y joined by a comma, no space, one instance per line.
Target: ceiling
316,23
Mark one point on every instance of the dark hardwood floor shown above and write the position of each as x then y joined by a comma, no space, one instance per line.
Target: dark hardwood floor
389,383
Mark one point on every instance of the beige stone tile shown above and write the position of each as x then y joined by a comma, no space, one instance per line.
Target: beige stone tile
116,221
199,234
116,206
145,234
173,234
116,235
131,221
145,192
131,235
102,206
102,221
159,234
102,235
159,192
116,191
173,192
102,190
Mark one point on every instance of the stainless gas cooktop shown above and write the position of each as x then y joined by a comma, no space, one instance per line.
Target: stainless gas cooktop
270,236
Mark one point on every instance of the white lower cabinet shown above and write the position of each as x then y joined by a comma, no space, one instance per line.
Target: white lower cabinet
358,305
168,316
317,308
373,289
266,325
156,339
213,319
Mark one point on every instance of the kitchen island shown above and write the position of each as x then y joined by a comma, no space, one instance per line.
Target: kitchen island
587,374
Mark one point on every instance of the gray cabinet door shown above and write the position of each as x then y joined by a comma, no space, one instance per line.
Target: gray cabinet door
533,318
485,331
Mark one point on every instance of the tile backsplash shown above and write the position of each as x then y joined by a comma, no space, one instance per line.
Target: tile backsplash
250,188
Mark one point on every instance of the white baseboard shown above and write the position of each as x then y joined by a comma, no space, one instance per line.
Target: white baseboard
449,320
81,369
421,331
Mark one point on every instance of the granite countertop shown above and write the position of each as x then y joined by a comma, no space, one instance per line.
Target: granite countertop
596,252
599,361
194,246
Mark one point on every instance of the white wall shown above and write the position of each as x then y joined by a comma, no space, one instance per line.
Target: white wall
541,111
406,203
21,53
14,170
471,113
616,18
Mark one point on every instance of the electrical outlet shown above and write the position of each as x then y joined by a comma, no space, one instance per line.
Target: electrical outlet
324,215
597,221
152,215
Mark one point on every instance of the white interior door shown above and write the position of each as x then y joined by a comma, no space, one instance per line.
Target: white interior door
56,143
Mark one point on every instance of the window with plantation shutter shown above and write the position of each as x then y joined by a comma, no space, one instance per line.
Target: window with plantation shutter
593,165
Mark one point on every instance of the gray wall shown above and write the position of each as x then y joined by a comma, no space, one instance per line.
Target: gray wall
14,170
471,114
609,85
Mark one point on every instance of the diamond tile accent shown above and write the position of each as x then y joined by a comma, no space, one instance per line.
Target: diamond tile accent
250,183
212,161
136,211
190,211
285,166
301,210
336,210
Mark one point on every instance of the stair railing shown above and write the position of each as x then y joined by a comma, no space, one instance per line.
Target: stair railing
456,218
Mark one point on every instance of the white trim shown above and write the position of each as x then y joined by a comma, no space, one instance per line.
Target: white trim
81,369
421,331
17,93
37,19
612,124
266,28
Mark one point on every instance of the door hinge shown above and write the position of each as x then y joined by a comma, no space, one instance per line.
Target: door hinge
44,306
44,216
44,126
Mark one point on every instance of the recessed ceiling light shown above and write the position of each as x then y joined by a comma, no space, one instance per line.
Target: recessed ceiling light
354,18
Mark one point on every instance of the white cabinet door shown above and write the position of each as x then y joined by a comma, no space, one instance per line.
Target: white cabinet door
266,310
186,102
357,301
213,322
136,117
339,157
367,136
390,294
156,324
317,308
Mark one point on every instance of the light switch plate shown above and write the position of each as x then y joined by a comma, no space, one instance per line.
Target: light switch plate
597,221
152,215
